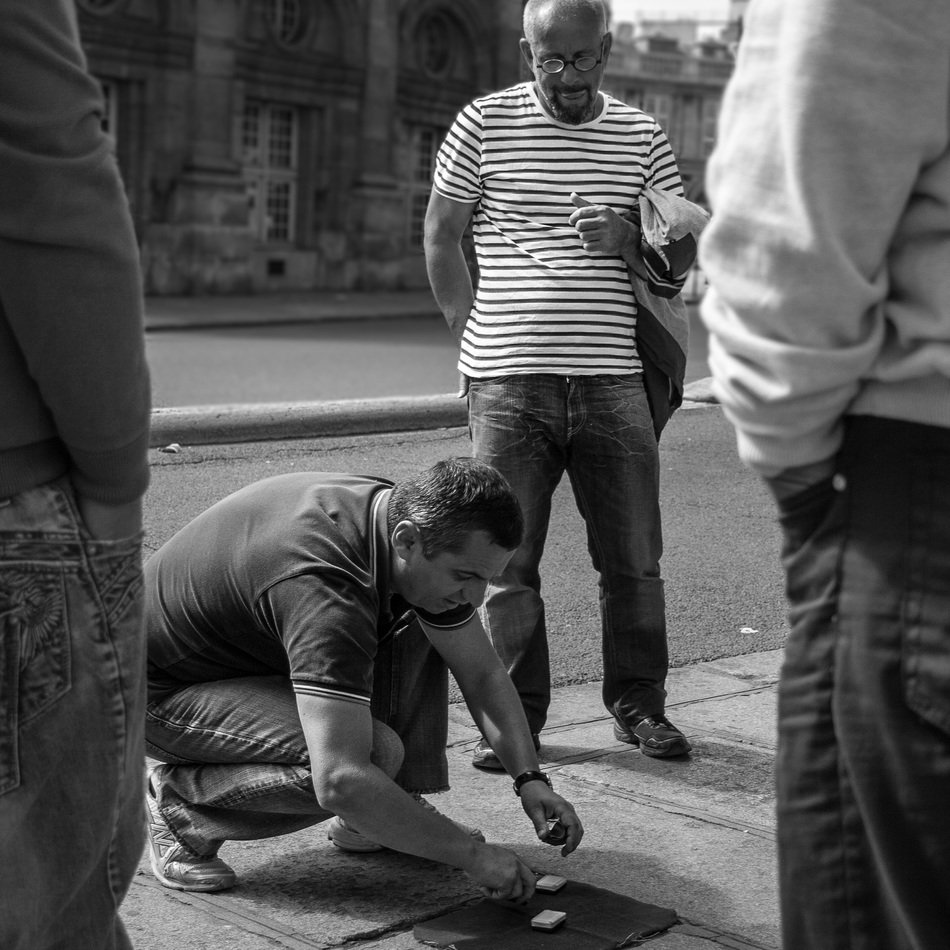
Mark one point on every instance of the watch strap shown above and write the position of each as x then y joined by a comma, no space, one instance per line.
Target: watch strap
530,776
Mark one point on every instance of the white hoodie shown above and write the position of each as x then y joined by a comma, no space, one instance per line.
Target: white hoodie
828,253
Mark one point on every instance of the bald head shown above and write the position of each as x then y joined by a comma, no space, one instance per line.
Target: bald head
561,34
543,15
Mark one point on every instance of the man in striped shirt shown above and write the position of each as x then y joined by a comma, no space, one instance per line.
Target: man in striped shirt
546,171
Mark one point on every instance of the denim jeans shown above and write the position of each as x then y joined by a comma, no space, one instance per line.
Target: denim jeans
72,696
239,768
863,767
598,429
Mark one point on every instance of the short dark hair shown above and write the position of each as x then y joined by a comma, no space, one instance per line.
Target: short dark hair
453,498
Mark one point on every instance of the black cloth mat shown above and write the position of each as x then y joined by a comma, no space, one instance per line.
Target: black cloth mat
596,920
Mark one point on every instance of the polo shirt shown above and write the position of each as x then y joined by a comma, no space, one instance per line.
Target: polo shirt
289,576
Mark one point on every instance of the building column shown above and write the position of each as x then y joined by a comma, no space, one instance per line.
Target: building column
204,244
379,219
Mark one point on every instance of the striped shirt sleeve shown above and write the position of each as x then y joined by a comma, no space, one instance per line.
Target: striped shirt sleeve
457,164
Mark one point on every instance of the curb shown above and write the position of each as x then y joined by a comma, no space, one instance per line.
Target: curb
260,422
263,422
700,390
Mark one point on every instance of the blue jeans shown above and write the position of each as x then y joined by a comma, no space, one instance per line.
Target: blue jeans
598,429
239,768
863,767
72,696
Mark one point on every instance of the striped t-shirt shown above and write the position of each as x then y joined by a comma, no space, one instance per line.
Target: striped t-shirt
544,304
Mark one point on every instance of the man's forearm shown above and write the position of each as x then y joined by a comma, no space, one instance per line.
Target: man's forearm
379,809
451,284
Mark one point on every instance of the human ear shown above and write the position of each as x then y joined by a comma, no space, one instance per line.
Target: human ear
526,52
406,539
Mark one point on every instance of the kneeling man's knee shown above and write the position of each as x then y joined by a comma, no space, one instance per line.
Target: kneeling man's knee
387,749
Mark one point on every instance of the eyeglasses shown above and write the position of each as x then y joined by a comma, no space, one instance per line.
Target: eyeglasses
583,64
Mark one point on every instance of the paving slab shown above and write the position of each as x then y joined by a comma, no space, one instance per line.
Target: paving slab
714,873
695,834
297,891
689,937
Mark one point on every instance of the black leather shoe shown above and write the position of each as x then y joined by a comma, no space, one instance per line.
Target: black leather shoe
484,758
655,735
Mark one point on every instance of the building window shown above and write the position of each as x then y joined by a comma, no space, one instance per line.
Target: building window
285,19
269,135
426,140
110,108
435,41
660,106
634,97
100,7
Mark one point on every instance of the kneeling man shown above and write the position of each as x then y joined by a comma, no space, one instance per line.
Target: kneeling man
298,638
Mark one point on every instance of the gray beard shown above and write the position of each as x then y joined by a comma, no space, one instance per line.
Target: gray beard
571,115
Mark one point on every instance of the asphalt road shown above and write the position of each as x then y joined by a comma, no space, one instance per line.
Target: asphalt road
323,360
319,360
723,582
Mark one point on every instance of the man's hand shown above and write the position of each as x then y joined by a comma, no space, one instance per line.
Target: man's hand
110,522
542,804
602,230
500,874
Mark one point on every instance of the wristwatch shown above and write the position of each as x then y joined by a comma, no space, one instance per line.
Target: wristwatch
529,777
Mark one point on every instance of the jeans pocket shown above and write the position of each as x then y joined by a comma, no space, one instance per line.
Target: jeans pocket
813,529
116,570
926,665
925,645
34,653
802,515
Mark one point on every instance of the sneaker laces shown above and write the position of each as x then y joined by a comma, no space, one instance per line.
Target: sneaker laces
658,721
160,834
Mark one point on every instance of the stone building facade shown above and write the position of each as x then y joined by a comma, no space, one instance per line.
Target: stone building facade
273,145
679,81
287,144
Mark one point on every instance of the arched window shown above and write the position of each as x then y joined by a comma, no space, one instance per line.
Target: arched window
286,20
101,7
435,41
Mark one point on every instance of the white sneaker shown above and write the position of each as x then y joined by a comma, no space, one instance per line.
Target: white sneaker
347,838
173,864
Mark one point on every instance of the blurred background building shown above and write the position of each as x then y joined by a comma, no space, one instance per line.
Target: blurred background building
272,145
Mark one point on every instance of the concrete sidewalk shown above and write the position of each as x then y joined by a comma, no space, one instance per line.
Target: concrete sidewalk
302,306
305,306
695,835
